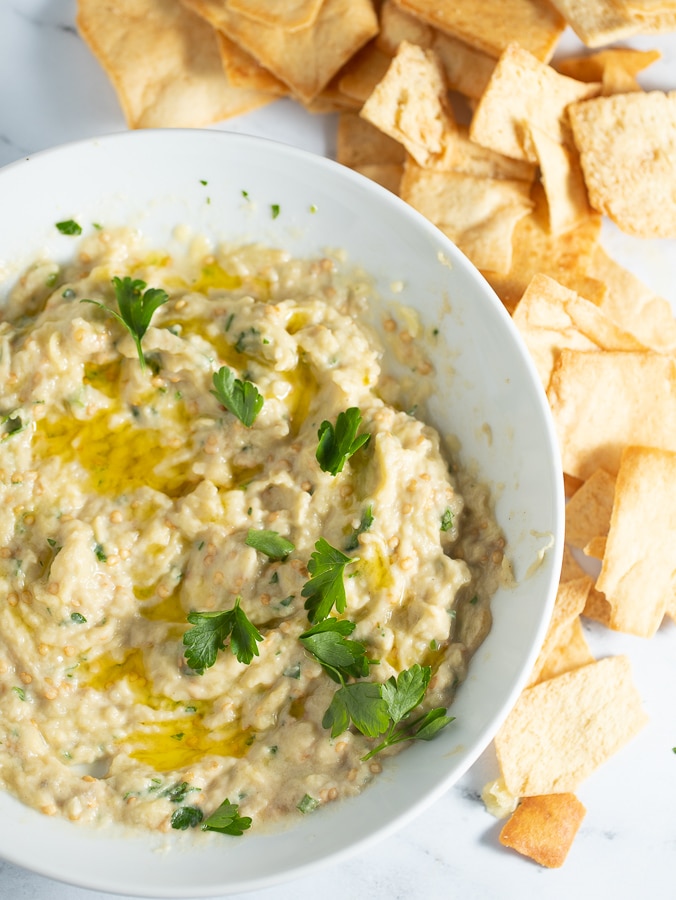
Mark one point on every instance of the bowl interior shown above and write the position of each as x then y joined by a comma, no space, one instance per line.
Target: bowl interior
486,394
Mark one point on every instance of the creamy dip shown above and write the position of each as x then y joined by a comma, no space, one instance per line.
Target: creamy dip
126,497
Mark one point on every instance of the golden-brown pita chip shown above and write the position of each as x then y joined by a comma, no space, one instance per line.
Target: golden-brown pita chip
597,23
308,58
639,563
388,175
597,607
544,828
524,92
163,62
361,74
564,257
570,653
409,103
570,567
562,179
633,305
290,15
604,401
571,597
570,484
616,68
460,154
545,745
627,146
243,71
477,214
359,143
397,26
491,25
596,547
551,317
468,70
589,509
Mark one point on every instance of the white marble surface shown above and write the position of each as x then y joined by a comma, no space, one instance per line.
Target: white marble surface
53,91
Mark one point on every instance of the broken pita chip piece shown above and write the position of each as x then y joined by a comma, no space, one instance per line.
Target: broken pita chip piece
589,510
164,64
544,828
477,214
290,15
616,68
525,93
409,103
571,597
563,729
603,401
243,71
491,25
637,572
571,652
626,145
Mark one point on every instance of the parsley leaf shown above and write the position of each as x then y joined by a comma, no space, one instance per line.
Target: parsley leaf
401,696
241,398
186,817
226,820
69,226
339,657
337,444
211,631
362,705
447,520
136,308
270,543
325,588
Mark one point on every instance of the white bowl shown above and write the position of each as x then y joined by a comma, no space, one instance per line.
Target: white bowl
154,180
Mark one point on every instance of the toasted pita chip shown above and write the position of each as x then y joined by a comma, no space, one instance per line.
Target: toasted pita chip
524,92
478,214
562,180
397,26
164,64
570,484
491,25
545,746
409,103
570,653
589,509
460,154
243,71
290,15
358,142
544,828
616,68
596,547
571,597
597,607
361,74
564,257
570,567
308,58
551,317
634,306
604,401
639,564
597,23
627,146
468,70
388,175
649,7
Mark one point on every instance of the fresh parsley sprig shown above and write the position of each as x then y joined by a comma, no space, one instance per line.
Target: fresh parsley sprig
338,443
401,695
136,308
339,657
226,820
241,398
271,543
364,525
326,588
210,632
